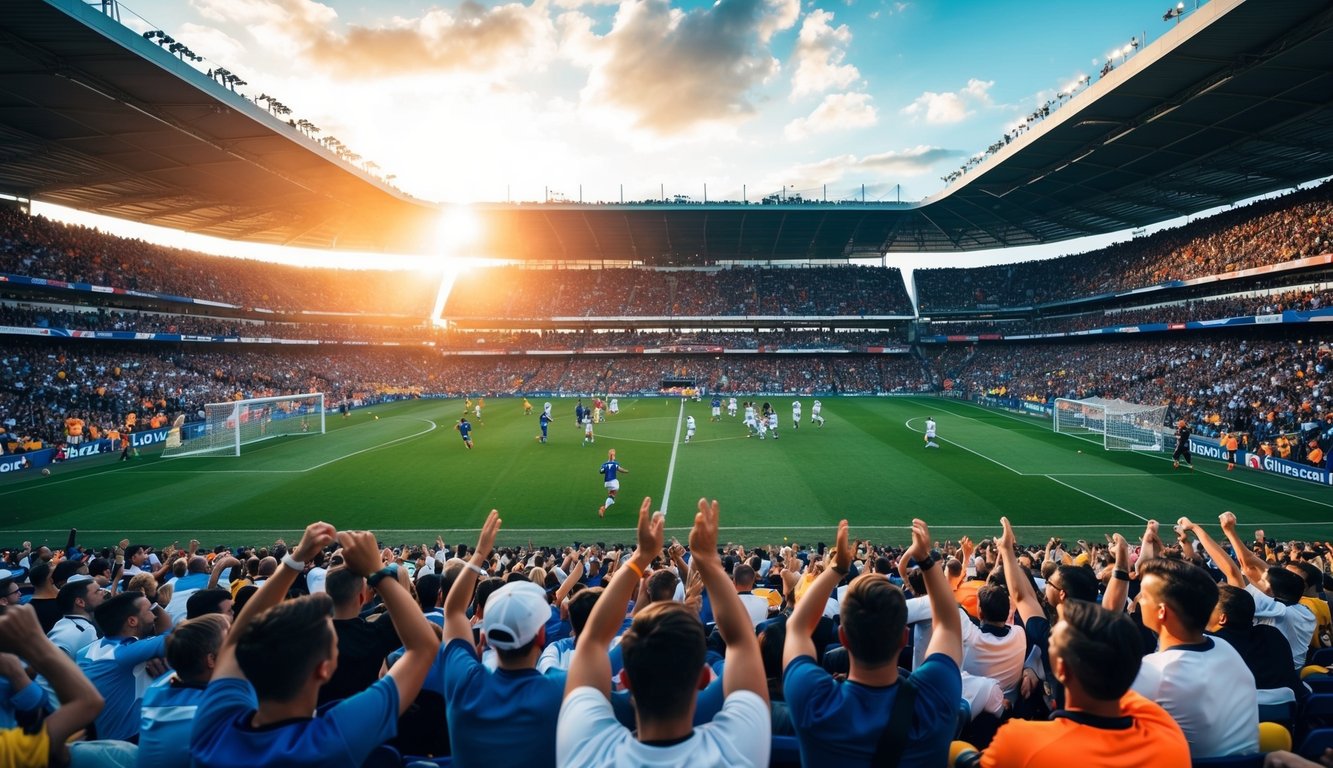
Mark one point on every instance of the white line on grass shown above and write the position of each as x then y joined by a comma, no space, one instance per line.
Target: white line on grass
433,427
671,468
908,424
1095,496
1218,475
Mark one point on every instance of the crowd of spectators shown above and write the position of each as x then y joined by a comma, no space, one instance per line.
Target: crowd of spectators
218,653
1262,233
729,339
104,319
517,292
1261,387
34,246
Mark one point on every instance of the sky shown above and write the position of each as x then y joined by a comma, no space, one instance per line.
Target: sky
598,99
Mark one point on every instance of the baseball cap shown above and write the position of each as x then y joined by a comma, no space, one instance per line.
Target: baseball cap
514,615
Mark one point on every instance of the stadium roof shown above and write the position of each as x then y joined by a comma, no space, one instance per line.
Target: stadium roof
1235,101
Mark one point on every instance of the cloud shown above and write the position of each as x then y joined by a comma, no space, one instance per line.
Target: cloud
838,111
820,50
914,161
472,40
213,44
666,71
950,107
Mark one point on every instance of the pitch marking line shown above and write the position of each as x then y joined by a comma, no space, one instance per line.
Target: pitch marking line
909,426
1218,475
671,468
1095,496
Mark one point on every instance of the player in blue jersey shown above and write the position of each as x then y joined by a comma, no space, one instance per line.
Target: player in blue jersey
716,406
465,429
545,420
610,469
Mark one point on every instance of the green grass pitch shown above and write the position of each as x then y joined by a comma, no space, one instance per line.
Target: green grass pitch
408,477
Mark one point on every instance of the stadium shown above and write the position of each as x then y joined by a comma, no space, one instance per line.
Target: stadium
805,354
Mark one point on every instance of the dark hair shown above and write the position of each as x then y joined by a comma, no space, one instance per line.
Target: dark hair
343,586
771,642
485,588
1101,649
1286,586
191,641
206,601
1078,582
1309,571
664,652
993,603
112,614
39,574
874,615
279,649
580,607
1187,589
743,575
428,591
662,585
1237,605
70,592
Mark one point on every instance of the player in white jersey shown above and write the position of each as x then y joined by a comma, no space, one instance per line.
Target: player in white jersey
731,407
689,428
815,417
796,414
615,405
750,423
547,407
587,430
773,423
930,433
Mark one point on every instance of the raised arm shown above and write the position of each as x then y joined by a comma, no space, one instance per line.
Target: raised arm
21,634
1220,557
219,567
801,624
316,537
744,670
946,634
1025,597
419,643
1254,567
591,666
456,625
575,574
1117,589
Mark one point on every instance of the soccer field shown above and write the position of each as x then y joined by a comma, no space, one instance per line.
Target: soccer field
407,476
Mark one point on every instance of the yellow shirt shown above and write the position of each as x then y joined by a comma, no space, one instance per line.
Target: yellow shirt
21,750
1323,622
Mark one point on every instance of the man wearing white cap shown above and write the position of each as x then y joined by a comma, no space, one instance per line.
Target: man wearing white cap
511,711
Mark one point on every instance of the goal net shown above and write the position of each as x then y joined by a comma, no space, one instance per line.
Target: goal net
228,426
1123,426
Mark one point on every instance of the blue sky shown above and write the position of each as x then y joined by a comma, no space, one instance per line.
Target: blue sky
469,101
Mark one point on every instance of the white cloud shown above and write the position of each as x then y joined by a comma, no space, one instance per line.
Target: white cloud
914,161
950,107
820,50
838,111
213,44
665,71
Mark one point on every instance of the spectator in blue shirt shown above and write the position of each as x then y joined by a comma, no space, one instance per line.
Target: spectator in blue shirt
170,703
842,722
257,709
116,663
511,711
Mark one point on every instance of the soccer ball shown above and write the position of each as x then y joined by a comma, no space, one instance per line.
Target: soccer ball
377,418
46,472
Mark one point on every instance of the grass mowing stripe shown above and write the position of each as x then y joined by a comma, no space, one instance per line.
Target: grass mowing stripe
908,424
671,468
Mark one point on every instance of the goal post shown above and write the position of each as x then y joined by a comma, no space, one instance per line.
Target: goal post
229,426
1122,425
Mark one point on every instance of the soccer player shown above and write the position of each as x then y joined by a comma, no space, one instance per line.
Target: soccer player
930,433
796,414
614,406
545,421
465,430
610,469
547,407
716,406
815,417
527,407
1231,444
1182,446
587,430
731,407
476,409
689,428
773,422
467,405
750,424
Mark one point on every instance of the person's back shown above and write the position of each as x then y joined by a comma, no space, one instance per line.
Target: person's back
1104,725
170,703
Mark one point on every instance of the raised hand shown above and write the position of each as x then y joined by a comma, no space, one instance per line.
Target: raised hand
1007,540
1228,521
703,536
317,536
920,548
486,540
360,552
842,550
651,534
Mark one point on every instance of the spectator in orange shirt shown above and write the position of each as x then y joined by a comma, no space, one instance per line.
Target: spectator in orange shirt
1094,655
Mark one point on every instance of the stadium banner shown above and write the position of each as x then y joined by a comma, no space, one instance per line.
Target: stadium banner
1257,461
17,462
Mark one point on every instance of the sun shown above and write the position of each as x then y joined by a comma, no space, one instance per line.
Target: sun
459,229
